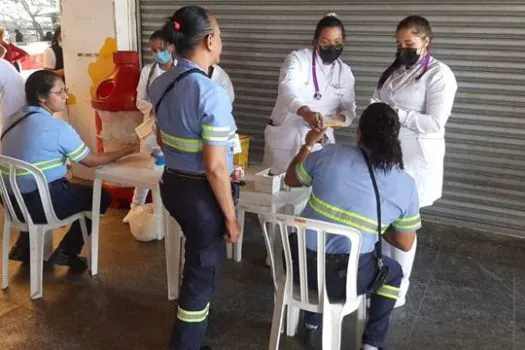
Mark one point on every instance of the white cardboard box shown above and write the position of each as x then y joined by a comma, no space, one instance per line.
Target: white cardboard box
268,183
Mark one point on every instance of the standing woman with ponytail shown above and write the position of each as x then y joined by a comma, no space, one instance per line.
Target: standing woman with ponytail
422,90
196,131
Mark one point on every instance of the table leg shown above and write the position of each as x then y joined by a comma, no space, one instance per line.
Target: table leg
158,208
172,243
237,247
95,223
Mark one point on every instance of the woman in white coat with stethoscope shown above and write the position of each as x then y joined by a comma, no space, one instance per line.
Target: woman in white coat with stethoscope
316,90
422,90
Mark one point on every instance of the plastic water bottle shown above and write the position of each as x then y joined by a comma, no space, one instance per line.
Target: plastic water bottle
159,159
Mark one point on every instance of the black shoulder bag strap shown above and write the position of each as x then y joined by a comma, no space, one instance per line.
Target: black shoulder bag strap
15,124
172,84
382,270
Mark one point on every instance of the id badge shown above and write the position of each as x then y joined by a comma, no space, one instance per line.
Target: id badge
236,144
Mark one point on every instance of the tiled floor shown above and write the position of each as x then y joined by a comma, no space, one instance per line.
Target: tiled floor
467,292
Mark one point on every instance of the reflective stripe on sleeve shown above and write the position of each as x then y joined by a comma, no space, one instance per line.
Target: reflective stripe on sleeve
79,153
410,223
216,133
302,175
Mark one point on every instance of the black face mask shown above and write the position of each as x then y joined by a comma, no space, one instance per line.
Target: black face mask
330,53
407,56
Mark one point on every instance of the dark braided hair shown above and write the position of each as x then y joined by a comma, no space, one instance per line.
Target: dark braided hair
419,26
379,130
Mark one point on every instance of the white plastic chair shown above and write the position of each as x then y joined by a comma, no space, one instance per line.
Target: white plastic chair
298,297
40,235
290,203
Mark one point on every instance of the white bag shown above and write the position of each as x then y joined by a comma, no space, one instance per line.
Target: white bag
142,223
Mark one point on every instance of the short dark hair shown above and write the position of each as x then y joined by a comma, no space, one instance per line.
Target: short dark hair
156,35
39,84
379,133
328,21
187,27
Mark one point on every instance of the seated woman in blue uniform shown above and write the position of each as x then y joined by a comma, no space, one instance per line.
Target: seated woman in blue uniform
36,137
343,193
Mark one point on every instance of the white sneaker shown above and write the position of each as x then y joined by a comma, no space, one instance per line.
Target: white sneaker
369,347
128,215
400,302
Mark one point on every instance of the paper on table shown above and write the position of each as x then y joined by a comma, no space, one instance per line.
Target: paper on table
145,128
332,123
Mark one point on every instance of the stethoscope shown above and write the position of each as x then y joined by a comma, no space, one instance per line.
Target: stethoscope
317,94
425,64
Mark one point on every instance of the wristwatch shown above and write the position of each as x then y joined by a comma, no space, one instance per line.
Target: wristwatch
308,147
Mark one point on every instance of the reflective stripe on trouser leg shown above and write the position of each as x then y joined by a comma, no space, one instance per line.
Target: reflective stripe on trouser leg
193,316
382,302
406,260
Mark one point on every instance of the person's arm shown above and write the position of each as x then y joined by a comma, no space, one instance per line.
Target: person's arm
218,127
3,51
301,169
74,149
219,178
291,81
440,94
402,233
97,159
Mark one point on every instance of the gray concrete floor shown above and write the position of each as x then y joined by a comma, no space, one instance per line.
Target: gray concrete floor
467,293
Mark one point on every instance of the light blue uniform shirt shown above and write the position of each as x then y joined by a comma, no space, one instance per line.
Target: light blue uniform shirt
196,111
44,141
342,193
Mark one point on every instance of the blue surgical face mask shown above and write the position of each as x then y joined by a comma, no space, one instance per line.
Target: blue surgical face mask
162,57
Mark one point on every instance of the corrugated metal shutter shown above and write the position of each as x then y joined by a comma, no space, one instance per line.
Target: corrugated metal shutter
482,41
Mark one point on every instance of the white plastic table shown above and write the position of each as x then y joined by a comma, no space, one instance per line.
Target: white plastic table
134,170
137,170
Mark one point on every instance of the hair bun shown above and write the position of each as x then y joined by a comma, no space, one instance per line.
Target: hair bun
330,14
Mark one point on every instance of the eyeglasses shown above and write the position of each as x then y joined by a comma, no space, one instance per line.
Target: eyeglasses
61,92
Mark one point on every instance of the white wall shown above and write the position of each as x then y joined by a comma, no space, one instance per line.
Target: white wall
90,36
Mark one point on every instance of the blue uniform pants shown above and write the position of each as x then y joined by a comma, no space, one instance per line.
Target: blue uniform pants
190,200
68,199
381,303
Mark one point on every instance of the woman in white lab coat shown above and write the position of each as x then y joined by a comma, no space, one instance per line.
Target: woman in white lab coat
164,60
316,89
163,55
422,90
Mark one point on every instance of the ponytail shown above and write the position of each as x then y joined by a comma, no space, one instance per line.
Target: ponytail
379,134
387,73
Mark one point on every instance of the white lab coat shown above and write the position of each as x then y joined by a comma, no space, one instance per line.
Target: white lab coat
12,91
296,89
424,108
223,79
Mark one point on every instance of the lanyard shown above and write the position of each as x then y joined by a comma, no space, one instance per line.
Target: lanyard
317,94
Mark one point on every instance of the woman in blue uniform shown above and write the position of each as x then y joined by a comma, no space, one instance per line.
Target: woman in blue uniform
35,136
196,131
342,179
